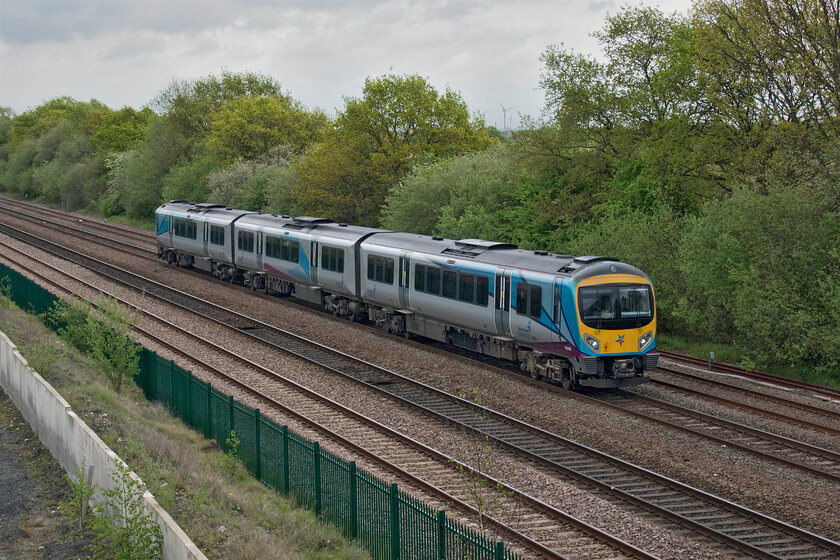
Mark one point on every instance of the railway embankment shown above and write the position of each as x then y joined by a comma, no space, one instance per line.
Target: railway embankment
76,446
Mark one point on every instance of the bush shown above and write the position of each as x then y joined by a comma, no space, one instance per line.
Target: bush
761,272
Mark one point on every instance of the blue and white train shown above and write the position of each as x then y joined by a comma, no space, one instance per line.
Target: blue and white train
574,321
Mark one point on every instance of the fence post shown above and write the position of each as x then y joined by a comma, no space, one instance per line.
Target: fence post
285,432
500,550
230,421
257,443
395,523
172,386
317,449
354,502
189,400
441,527
209,428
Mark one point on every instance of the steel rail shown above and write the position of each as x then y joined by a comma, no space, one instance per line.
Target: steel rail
732,369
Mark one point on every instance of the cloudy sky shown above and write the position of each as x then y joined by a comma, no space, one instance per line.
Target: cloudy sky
123,52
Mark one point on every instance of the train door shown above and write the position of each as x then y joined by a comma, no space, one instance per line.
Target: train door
558,308
313,262
502,297
259,251
404,280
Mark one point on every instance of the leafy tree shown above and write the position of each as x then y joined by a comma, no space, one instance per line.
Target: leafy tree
135,178
398,121
249,126
187,181
643,107
18,172
460,198
118,131
761,272
338,180
192,104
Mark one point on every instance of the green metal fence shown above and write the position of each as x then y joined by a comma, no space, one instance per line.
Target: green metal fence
389,523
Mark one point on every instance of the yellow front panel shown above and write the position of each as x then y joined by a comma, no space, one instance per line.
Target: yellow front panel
620,341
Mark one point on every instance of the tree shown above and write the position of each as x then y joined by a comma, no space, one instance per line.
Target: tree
759,267
642,108
398,122
191,104
773,77
247,127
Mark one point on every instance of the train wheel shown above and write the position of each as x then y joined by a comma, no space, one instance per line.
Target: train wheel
568,382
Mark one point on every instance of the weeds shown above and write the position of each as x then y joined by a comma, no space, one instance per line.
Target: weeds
5,292
82,492
132,531
231,455
44,357
105,336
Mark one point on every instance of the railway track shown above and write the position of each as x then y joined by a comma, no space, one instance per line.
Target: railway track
738,527
791,384
541,529
813,459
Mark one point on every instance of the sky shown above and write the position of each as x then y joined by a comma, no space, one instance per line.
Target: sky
124,52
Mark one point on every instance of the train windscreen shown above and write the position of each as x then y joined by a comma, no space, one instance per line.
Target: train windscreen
615,306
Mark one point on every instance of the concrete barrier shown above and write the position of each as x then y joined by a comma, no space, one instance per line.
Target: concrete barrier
71,442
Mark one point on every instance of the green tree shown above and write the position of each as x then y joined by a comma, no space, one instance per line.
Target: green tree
249,126
396,123
761,272
641,108
772,77
135,177
192,104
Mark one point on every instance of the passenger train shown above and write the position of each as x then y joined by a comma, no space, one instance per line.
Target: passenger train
573,321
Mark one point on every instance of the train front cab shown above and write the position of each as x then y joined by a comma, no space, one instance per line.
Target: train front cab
616,322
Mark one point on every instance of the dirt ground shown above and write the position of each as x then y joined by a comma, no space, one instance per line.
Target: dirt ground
35,521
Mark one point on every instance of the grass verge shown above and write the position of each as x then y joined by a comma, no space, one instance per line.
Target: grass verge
227,513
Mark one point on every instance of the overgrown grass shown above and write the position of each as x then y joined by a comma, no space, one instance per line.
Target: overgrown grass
227,513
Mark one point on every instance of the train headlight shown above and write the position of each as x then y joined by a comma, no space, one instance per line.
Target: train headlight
593,342
645,340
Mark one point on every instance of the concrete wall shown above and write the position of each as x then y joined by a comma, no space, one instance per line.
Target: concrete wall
71,441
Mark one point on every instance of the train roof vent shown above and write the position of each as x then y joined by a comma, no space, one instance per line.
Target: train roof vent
486,245
579,262
203,207
306,222
471,248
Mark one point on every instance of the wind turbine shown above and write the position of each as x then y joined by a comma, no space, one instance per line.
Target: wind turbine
504,114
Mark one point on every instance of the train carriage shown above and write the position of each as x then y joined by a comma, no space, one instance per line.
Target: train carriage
575,321
199,235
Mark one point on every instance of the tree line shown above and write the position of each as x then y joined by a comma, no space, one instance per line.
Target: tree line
701,147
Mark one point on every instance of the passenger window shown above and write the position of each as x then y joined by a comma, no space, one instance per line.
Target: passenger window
481,295
536,302
433,281
449,284
380,269
245,241
466,288
529,300
522,299
217,235
419,278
